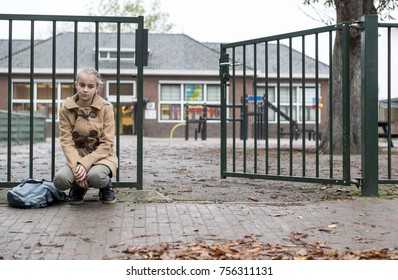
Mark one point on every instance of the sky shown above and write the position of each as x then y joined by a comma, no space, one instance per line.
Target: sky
203,20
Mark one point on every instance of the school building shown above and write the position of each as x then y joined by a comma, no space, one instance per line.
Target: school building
181,72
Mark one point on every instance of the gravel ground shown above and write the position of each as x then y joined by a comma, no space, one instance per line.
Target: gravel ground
190,170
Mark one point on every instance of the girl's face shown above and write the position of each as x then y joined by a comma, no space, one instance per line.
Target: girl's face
87,87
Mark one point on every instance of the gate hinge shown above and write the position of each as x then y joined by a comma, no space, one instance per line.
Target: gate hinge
357,25
358,182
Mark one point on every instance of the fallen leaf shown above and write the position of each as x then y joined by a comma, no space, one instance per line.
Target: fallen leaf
117,245
86,239
302,252
183,170
161,246
41,244
68,234
147,235
326,230
276,215
37,251
368,225
296,236
301,258
250,248
17,256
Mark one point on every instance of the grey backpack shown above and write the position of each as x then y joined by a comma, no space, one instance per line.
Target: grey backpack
34,194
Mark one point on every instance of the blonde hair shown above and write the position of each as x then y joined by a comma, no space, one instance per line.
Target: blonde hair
91,72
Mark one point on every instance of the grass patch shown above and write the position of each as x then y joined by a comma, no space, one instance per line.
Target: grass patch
385,192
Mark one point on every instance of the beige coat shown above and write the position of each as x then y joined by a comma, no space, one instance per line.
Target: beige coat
87,134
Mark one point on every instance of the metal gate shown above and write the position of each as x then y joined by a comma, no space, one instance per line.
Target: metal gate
53,73
281,82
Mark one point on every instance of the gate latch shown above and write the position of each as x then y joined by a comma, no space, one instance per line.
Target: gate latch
224,68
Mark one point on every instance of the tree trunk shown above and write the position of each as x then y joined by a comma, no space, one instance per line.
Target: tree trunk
347,11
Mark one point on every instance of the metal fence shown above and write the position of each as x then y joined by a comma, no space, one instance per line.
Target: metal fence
276,82
140,47
388,54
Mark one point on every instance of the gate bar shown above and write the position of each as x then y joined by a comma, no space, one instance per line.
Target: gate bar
32,83
141,61
9,100
346,103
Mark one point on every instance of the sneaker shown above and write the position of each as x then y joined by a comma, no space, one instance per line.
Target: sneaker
107,195
76,195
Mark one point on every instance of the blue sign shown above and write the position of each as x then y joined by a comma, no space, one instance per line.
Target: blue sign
250,98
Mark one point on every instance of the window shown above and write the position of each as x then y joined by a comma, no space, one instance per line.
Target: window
262,91
44,91
285,95
286,111
176,100
309,101
194,112
125,88
170,93
126,93
193,92
170,96
42,96
21,91
309,93
170,112
309,113
67,89
111,54
296,94
21,107
213,93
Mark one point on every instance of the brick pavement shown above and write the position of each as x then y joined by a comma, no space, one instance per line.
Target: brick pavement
96,231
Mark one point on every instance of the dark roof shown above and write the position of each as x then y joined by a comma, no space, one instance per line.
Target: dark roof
284,64
17,46
167,52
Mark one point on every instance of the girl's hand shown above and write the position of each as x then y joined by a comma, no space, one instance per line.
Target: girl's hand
80,173
81,176
83,184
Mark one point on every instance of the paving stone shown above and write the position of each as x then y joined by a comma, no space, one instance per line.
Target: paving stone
96,231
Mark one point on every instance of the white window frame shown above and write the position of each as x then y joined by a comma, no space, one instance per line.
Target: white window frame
114,50
297,104
123,98
182,100
36,101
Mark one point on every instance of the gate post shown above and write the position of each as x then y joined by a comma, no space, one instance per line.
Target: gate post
369,106
141,45
224,78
